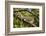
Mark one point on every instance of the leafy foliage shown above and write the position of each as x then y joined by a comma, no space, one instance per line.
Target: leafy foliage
32,16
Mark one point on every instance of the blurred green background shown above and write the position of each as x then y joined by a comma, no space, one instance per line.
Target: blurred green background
25,17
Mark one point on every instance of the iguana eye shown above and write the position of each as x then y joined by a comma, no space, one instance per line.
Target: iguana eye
24,19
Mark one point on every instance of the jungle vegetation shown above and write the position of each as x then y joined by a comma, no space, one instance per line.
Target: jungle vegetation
25,17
